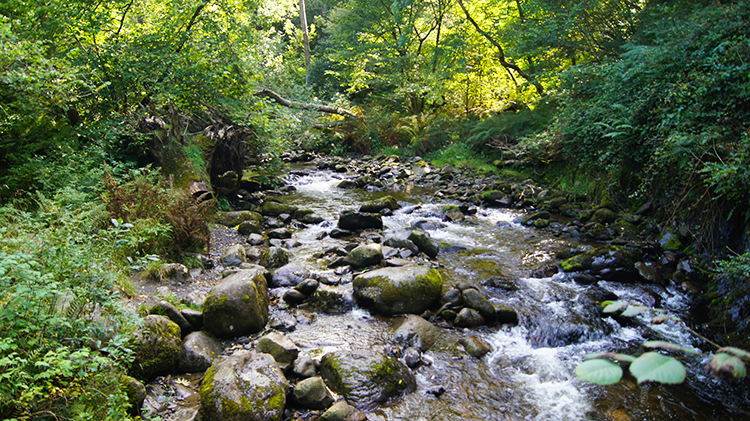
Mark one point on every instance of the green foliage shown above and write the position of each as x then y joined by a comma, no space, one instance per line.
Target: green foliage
161,220
730,289
58,307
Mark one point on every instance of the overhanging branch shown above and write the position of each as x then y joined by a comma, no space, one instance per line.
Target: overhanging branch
267,93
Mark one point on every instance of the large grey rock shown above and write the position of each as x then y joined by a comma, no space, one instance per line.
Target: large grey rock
244,386
238,305
366,378
474,299
401,244
274,208
279,346
424,242
233,256
397,290
312,393
289,275
199,351
417,332
365,255
156,346
275,257
354,221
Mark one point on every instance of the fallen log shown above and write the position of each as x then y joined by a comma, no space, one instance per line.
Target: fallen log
267,93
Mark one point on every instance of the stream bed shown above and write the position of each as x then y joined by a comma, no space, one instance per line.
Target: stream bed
529,373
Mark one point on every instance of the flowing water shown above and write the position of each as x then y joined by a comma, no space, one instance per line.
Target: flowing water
529,374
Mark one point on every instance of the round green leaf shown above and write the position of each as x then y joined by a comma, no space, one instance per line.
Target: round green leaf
602,372
653,366
726,366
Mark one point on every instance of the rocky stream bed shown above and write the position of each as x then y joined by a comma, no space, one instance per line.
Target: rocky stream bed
374,289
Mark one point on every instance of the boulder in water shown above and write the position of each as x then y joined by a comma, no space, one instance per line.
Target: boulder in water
365,377
289,275
279,346
416,332
274,208
397,290
364,255
424,242
342,411
377,205
312,393
355,221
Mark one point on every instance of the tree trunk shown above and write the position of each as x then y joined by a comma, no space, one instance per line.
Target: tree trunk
305,39
302,105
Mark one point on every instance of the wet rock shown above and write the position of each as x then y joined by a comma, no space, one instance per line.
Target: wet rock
365,255
308,216
347,184
453,214
365,377
332,299
307,286
289,275
304,367
417,332
244,386
250,227
164,308
275,257
474,299
612,263
256,240
500,283
156,346
274,208
231,219
401,244
342,411
312,393
496,198
646,271
604,216
452,297
355,221
279,233
279,346
475,346
238,305
427,225
199,351
505,314
294,297
377,205
412,357
233,256
424,242
599,232
468,317
397,290
529,220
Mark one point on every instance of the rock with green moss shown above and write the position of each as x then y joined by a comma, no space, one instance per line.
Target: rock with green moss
274,208
529,220
238,305
474,299
244,386
453,214
275,257
604,216
234,256
377,205
199,351
156,346
416,332
342,411
308,216
366,378
232,219
280,347
496,198
312,393
365,255
398,290
612,263
136,393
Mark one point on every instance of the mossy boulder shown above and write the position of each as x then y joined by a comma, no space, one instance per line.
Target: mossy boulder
312,393
354,221
244,386
416,332
274,208
280,347
275,257
397,290
529,220
366,378
342,411
156,346
612,263
377,205
238,305
234,256
453,213
232,219
496,198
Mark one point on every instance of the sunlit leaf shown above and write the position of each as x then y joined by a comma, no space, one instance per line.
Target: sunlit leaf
727,367
632,311
598,371
652,366
671,347
613,306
